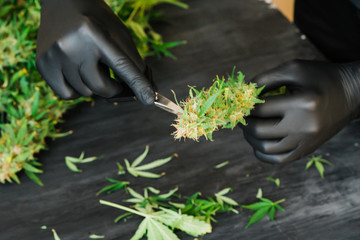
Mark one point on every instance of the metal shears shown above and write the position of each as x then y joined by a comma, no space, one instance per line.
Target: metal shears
160,102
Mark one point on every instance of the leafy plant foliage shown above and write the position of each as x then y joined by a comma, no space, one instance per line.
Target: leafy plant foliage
70,161
318,162
161,216
224,105
116,185
141,171
29,110
263,207
274,180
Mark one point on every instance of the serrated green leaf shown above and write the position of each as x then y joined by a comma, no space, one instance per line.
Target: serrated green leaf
208,103
30,168
72,166
148,174
169,194
158,231
256,206
185,223
113,187
224,191
309,164
135,194
154,164
228,200
34,178
141,231
272,213
153,190
258,215
140,158
320,168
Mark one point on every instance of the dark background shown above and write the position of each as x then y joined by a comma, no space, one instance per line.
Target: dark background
220,34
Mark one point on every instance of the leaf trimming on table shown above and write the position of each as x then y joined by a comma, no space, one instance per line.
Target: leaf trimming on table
138,170
318,162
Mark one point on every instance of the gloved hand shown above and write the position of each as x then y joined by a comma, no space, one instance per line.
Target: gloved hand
323,97
78,41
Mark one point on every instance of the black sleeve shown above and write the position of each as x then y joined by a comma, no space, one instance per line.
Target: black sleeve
333,26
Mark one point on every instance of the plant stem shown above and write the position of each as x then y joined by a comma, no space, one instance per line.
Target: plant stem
123,208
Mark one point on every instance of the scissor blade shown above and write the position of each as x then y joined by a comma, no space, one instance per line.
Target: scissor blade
167,105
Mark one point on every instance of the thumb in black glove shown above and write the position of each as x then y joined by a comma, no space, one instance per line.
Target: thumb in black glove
323,98
78,41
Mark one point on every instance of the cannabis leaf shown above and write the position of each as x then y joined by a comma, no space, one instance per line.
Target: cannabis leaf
265,206
156,224
206,209
148,201
140,171
318,162
116,185
276,181
220,198
70,161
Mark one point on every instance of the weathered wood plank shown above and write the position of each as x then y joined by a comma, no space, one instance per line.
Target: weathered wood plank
220,34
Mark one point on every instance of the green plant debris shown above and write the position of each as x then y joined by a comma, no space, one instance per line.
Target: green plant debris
318,162
221,198
274,180
224,105
29,110
43,227
159,225
121,169
220,165
141,171
206,209
162,215
263,207
150,202
56,236
116,185
259,193
94,236
70,161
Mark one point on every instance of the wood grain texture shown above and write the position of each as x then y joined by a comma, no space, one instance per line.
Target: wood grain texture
220,34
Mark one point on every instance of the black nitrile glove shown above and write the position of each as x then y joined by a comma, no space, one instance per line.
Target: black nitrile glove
322,99
78,41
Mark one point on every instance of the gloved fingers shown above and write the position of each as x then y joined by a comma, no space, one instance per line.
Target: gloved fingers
276,78
126,43
276,106
53,75
272,146
73,78
127,71
97,78
278,158
264,128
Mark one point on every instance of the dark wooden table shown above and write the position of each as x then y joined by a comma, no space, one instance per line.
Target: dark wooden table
220,34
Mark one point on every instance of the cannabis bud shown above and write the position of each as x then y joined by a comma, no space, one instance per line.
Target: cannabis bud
223,105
